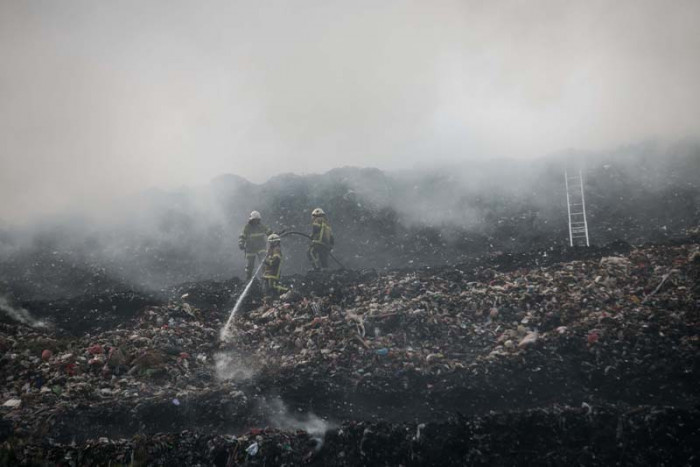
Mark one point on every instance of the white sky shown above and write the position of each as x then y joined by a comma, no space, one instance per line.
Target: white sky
99,99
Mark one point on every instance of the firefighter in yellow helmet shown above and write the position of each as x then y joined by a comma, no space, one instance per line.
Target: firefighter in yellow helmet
321,239
273,267
252,240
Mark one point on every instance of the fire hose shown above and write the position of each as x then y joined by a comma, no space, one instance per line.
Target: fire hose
291,232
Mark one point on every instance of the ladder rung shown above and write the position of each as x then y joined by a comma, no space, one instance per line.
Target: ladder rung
578,227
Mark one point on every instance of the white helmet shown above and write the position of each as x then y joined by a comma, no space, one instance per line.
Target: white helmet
273,238
318,212
254,215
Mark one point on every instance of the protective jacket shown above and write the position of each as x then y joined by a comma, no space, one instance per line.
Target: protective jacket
254,238
271,274
273,263
321,242
321,232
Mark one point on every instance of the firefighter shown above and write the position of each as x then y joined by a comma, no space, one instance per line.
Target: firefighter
252,241
273,267
321,240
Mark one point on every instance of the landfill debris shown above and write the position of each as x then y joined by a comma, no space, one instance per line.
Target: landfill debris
529,339
386,353
252,449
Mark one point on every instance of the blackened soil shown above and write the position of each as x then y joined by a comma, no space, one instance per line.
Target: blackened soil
212,412
604,435
599,436
92,313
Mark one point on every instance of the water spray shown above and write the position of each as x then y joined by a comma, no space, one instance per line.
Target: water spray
224,335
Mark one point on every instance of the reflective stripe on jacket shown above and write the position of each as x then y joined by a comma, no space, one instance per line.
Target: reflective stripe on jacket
273,264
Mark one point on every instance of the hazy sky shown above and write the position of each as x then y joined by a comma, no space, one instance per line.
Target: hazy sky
103,98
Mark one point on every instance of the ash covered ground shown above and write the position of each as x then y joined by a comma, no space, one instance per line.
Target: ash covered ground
492,345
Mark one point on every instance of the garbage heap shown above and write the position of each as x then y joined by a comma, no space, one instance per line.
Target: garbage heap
592,361
611,328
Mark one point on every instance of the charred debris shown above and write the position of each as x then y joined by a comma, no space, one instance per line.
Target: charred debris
558,356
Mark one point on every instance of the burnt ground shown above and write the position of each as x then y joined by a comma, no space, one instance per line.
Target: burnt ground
108,307
557,356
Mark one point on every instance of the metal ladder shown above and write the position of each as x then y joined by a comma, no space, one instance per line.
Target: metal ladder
576,206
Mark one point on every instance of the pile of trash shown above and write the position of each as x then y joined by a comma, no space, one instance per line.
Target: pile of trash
621,320
591,360
164,356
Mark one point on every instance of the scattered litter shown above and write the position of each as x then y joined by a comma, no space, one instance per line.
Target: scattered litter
12,403
252,450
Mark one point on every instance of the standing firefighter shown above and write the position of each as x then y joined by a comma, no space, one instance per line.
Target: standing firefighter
321,240
252,241
273,267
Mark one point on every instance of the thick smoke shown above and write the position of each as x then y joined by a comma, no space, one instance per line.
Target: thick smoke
381,219
99,101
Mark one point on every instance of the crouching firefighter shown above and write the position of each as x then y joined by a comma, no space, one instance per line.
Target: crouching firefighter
252,241
273,267
321,240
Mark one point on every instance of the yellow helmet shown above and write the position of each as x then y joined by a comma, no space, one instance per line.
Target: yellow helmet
254,215
273,238
318,212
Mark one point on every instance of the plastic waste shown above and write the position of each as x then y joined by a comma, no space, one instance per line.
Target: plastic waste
252,450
